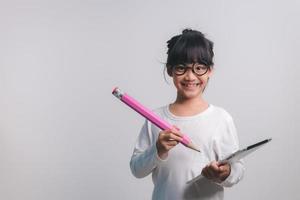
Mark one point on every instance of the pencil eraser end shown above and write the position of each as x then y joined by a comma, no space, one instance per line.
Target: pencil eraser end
115,89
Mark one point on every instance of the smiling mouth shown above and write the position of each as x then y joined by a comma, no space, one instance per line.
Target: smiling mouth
190,85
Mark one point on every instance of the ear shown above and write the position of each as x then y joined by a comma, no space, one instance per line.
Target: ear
210,71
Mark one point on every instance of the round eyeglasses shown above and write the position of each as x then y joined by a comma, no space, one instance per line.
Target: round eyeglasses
197,69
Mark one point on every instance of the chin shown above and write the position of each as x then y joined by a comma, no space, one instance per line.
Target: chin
191,94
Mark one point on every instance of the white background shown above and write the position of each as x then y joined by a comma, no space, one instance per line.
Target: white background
63,136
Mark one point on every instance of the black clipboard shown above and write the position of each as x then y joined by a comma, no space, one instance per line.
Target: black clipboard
236,156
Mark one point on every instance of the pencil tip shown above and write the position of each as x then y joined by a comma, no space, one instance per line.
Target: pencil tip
194,148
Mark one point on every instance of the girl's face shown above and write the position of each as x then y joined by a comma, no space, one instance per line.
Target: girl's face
190,80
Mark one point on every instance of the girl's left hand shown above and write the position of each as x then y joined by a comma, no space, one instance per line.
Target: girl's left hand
216,172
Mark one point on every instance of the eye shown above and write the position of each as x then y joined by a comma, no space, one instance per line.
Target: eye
200,68
179,68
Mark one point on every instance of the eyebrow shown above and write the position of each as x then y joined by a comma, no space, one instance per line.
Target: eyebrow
185,64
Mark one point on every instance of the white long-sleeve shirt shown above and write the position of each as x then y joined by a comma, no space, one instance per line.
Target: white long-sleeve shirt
212,131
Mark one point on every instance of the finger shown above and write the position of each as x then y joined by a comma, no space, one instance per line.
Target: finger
176,127
214,166
164,135
176,131
205,173
213,169
221,163
225,168
174,137
172,143
210,173
224,175
178,134
168,135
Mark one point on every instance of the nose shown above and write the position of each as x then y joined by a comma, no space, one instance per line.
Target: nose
189,74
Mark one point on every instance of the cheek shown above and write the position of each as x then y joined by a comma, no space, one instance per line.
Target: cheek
176,81
204,80
177,84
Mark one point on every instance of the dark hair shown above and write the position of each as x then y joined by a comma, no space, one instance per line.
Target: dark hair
189,47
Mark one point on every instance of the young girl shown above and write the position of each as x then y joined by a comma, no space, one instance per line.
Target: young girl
211,128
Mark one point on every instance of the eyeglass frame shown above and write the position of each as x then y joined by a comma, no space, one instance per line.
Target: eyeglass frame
192,68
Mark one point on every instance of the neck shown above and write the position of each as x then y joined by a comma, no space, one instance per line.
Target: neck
196,101
186,107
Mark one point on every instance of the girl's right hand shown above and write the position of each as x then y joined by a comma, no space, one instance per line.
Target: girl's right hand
167,140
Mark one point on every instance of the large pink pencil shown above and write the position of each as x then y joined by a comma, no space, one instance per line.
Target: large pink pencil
151,116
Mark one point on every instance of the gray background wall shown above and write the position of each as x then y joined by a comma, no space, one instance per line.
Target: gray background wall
64,136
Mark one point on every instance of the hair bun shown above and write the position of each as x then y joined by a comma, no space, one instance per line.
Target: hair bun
187,30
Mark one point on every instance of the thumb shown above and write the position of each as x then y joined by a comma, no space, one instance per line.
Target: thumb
215,166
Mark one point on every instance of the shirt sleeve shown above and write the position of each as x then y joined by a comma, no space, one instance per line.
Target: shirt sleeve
145,158
226,144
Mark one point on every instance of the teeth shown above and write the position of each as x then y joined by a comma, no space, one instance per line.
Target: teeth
190,84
